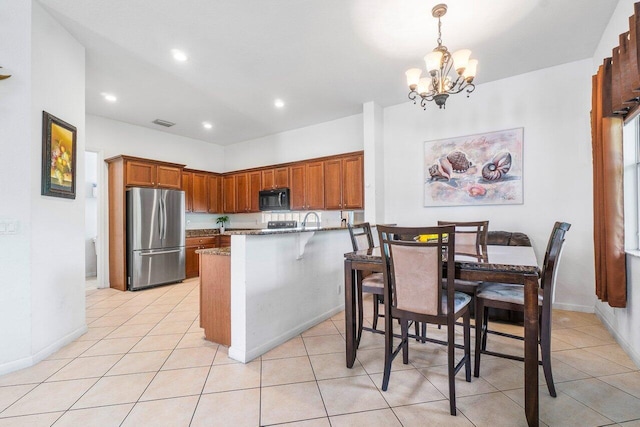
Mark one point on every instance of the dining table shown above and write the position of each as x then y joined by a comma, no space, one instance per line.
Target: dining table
503,264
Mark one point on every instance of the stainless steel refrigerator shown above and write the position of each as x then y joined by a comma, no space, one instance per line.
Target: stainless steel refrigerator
155,237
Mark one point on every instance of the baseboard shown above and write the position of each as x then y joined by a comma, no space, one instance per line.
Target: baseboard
635,357
28,361
247,356
574,307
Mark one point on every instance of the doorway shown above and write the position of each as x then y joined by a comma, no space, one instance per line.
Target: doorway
91,243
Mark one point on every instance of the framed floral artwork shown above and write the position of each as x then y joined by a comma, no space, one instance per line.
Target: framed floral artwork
58,157
481,169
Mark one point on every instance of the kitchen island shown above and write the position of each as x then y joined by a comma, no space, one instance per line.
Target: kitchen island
275,283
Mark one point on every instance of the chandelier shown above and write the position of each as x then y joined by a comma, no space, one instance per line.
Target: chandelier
441,81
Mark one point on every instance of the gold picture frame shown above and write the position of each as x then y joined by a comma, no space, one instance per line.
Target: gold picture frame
58,157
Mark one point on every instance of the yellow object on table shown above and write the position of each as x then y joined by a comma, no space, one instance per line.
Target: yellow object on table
429,237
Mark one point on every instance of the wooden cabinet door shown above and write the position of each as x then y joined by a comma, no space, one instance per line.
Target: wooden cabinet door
242,192
140,174
333,184
268,179
255,181
353,182
229,194
187,187
215,192
169,177
191,264
297,187
200,192
314,185
281,177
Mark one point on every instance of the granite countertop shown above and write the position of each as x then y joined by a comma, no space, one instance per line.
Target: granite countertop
204,232
266,231
215,251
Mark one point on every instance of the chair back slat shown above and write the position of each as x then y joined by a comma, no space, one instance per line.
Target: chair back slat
361,237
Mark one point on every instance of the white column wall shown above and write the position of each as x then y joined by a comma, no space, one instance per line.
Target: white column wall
15,184
57,249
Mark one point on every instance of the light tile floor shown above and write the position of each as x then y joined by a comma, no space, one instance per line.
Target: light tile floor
144,362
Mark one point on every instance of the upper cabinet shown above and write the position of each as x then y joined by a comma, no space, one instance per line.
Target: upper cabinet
229,203
247,187
314,185
214,187
200,193
343,183
275,178
187,187
143,173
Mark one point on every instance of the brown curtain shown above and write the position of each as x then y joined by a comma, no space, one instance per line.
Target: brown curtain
608,214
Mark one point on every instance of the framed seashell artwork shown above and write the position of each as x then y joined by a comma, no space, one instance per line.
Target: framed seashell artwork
481,169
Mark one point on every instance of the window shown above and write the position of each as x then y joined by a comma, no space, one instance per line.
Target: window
631,153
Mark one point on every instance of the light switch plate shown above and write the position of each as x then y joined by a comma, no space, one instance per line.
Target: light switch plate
8,226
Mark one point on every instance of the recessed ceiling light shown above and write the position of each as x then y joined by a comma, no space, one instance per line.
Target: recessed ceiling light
207,125
279,103
109,97
179,55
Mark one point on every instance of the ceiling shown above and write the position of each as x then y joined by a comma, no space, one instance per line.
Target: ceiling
323,58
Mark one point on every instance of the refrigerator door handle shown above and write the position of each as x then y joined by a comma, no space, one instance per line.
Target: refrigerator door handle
160,253
163,216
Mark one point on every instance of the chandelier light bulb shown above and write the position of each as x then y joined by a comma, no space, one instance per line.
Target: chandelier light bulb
424,85
460,59
413,77
470,71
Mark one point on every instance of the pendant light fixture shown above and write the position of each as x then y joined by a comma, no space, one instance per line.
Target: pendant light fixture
448,73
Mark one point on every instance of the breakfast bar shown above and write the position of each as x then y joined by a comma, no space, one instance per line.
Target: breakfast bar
270,286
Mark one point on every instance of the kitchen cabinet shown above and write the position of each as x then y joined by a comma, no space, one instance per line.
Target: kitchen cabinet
199,192
229,194
275,178
214,187
314,185
187,187
192,260
127,171
306,182
152,174
247,191
297,187
343,183
195,186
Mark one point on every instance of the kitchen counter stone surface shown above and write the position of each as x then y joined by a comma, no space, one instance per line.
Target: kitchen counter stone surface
269,231
204,232
215,251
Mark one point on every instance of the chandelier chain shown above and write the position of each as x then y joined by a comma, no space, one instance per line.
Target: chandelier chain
439,32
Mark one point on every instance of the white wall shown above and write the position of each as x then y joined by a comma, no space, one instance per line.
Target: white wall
42,279
15,184
324,139
90,213
623,322
111,138
57,249
553,107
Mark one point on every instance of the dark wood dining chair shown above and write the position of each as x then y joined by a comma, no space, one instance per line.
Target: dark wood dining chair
471,240
511,297
362,238
413,292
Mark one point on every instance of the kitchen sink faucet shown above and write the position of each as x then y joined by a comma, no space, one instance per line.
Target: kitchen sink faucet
304,221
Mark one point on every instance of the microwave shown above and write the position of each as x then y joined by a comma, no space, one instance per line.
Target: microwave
274,200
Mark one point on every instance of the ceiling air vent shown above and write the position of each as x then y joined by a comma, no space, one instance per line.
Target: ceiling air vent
163,123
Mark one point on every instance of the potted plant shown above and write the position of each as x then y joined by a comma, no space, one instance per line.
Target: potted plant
221,220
